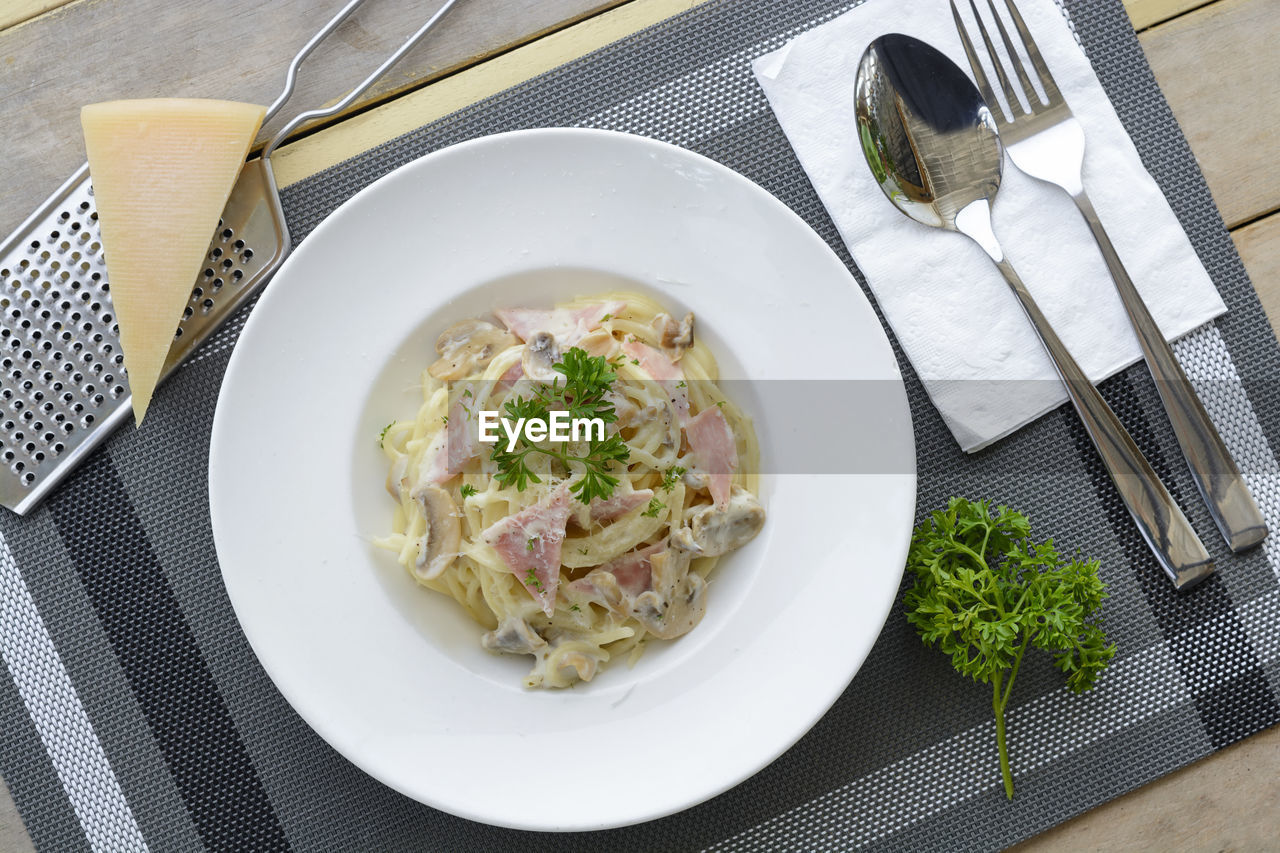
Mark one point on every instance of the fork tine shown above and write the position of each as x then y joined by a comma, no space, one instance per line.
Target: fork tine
1033,52
984,85
1015,106
1014,59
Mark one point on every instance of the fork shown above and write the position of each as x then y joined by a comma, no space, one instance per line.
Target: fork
1047,142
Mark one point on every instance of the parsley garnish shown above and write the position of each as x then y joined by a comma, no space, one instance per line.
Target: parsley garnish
531,544
636,362
584,551
985,591
582,395
575,608
606,317
445,418
467,490
531,579
655,506
669,478
682,384
382,435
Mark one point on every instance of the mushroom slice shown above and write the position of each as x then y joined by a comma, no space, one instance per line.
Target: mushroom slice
675,338
439,545
540,353
467,347
678,600
513,636
712,532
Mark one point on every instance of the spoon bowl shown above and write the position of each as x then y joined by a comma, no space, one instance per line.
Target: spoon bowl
925,130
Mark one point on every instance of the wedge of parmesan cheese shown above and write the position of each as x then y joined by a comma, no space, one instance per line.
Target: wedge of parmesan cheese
162,170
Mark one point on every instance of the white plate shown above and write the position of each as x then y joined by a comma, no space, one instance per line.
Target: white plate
392,675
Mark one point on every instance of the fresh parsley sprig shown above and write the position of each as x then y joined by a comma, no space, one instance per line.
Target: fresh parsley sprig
587,381
985,592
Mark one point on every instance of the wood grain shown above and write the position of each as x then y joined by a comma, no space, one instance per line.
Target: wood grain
16,11
13,835
1219,69
1148,13
1259,247
97,50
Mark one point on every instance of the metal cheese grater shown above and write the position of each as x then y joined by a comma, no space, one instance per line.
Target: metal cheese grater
62,378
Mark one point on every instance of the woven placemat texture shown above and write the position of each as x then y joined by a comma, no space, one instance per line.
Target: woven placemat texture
136,715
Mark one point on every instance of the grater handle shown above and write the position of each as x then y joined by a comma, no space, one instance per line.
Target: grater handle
361,87
291,78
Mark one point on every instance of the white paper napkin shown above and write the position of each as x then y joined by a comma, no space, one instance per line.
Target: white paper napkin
957,320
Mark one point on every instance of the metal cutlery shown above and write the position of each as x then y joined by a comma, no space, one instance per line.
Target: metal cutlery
1047,142
933,147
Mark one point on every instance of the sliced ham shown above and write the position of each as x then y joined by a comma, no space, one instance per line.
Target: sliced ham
632,570
715,452
618,505
452,448
529,544
512,375
567,326
616,584
667,373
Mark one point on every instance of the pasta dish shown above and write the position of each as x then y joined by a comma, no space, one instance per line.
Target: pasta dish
575,547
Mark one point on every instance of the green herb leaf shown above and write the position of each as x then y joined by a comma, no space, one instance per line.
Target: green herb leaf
655,506
587,381
669,478
382,435
984,592
467,490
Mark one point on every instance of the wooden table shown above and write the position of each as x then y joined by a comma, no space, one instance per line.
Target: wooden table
1215,61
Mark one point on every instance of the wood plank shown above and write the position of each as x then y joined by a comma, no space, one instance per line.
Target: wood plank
1148,13
1219,68
338,142
1259,247
17,11
13,835
96,50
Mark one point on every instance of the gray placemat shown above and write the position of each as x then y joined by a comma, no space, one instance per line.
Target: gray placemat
137,715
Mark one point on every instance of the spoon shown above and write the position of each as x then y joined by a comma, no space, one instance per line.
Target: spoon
933,147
